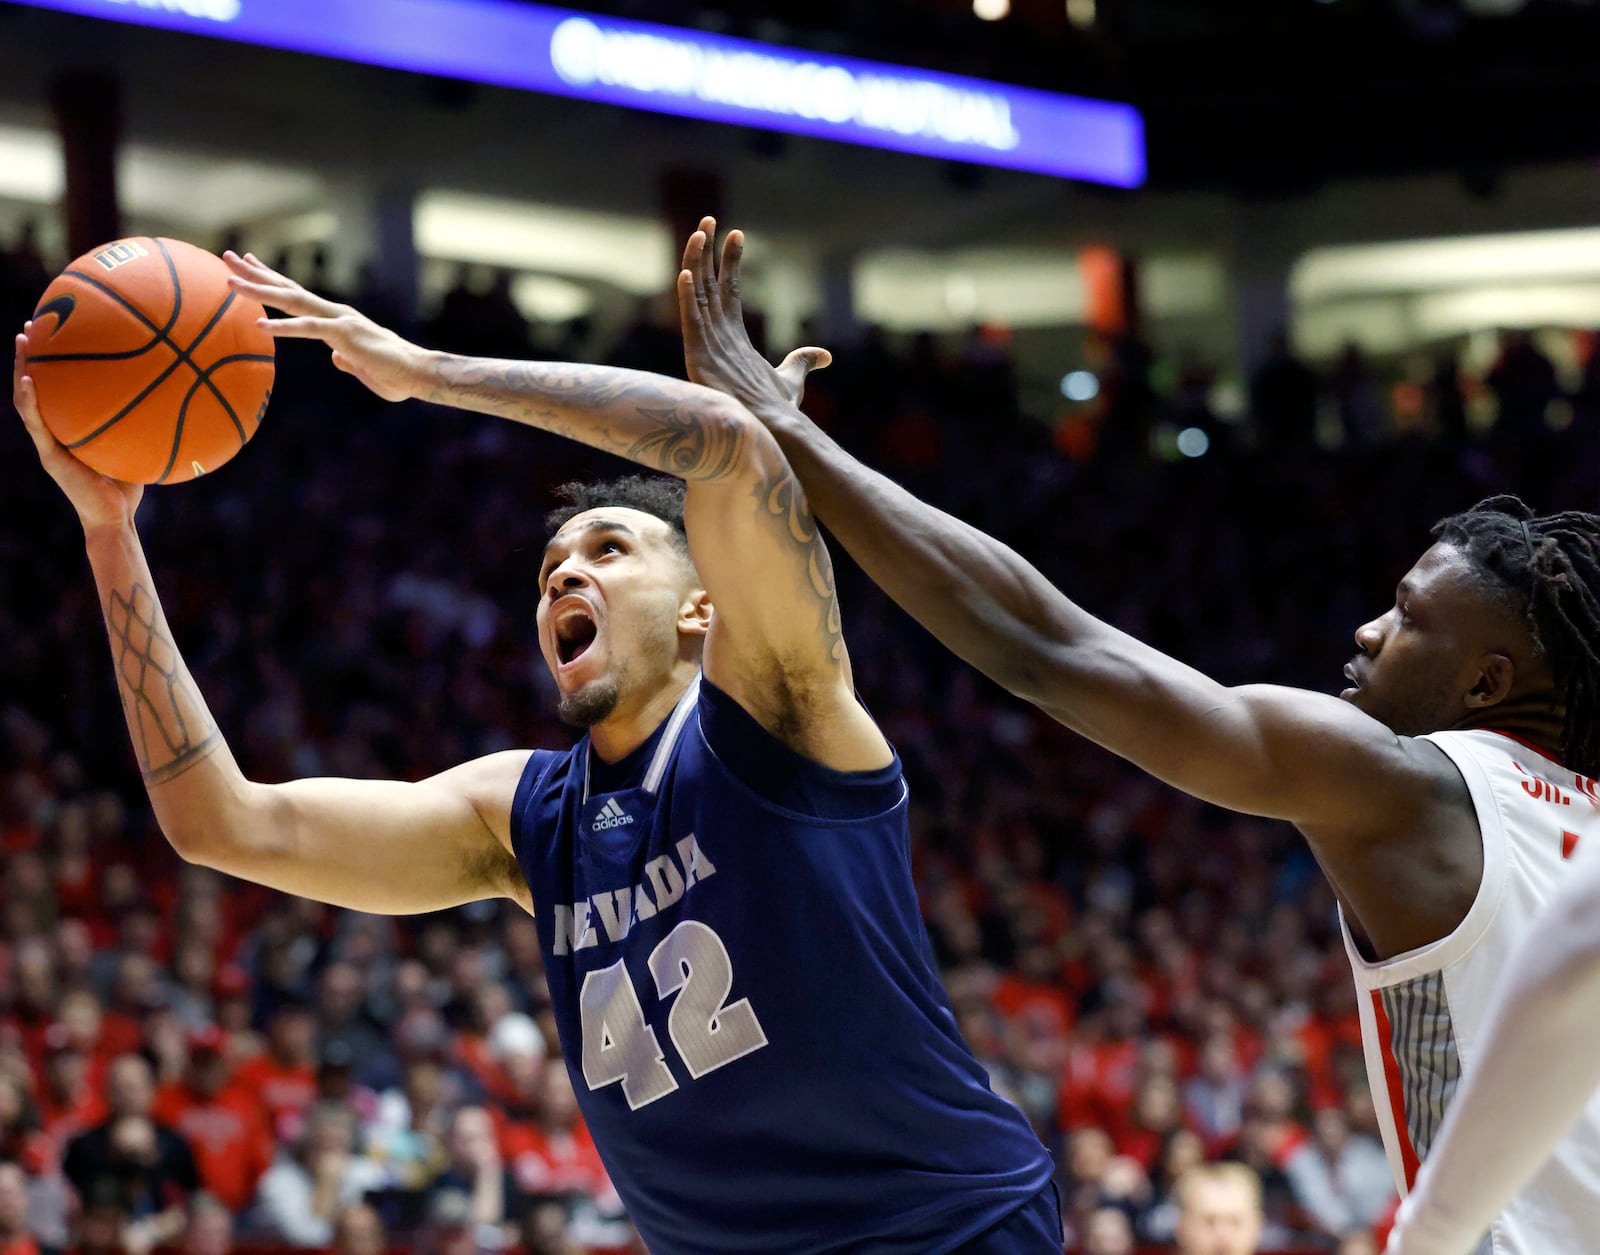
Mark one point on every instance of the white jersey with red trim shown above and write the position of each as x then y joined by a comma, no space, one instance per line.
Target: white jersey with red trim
1423,1014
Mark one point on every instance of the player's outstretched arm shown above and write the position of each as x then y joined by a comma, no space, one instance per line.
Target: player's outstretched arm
776,642
379,846
1533,1073
1260,749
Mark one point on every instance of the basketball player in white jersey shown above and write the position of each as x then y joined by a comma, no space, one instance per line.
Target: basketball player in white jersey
1534,1077
1442,792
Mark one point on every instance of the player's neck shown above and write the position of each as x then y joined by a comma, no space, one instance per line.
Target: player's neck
1534,723
629,728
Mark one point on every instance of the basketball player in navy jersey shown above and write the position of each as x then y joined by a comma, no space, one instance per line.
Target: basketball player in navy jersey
719,869
1442,792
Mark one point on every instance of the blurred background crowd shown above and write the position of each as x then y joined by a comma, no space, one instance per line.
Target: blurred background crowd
192,1062
1332,276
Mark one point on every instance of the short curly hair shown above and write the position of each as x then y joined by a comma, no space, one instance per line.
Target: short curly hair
660,495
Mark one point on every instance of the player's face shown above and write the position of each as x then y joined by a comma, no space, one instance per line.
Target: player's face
1420,660
613,587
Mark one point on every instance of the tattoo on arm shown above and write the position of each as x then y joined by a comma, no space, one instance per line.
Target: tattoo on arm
641,417
782,498
686,446
170,734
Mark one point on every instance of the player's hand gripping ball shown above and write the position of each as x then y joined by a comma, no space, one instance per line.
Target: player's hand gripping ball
148,367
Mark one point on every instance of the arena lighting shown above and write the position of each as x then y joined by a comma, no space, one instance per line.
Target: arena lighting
665,69
31,166
990,10
635,254
1080,385
1465,261
175,187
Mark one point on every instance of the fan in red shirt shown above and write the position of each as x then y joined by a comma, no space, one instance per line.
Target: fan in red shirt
1102,1069
225,1124
69,1099
284,1079
14,1236
1035,989
554,1153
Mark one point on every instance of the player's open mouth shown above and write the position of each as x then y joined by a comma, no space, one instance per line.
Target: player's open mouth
575,632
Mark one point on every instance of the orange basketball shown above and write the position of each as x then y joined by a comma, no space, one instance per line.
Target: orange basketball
147,365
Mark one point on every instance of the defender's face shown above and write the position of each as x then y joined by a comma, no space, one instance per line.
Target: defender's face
1420,659
611,586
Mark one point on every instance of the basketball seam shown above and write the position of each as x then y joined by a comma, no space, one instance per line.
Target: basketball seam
129,407
183,410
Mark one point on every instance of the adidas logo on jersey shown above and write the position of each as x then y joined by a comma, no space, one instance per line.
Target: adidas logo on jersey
611,816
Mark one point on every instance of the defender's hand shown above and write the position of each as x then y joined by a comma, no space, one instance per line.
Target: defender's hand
716,345
392,367
99,500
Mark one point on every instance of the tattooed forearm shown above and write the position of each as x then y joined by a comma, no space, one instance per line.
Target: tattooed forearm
665,424
783,499
171,728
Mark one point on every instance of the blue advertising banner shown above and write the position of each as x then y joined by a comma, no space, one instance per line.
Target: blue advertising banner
665,69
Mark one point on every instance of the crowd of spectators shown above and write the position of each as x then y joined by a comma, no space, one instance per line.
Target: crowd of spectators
190,1062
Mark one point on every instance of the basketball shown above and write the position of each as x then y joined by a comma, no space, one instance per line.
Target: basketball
148,367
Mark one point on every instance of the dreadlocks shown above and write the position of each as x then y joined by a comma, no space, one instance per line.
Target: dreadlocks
1548,568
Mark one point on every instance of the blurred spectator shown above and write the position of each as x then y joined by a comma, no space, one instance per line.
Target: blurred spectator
337,1084
1283,399
130,1161
284,1078
342,1018
307,1187
1358,1242
1342,1179
210,1230
476,1172
1156,1116
16,1237
1586,403
69,1098
408,1134
1213,1099
546,1225
554,1154
451,1227
1219,1211
1446,400
223,1122
1524,384
358,1230
1359,398
103,1225
1109,1232
516,1052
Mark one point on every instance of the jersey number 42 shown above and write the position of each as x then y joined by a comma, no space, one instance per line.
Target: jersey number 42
618,1046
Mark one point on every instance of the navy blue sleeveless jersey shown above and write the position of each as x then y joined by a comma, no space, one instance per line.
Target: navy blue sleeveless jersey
747,1005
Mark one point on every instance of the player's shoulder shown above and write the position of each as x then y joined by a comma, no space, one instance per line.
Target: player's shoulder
1500,753
493,782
